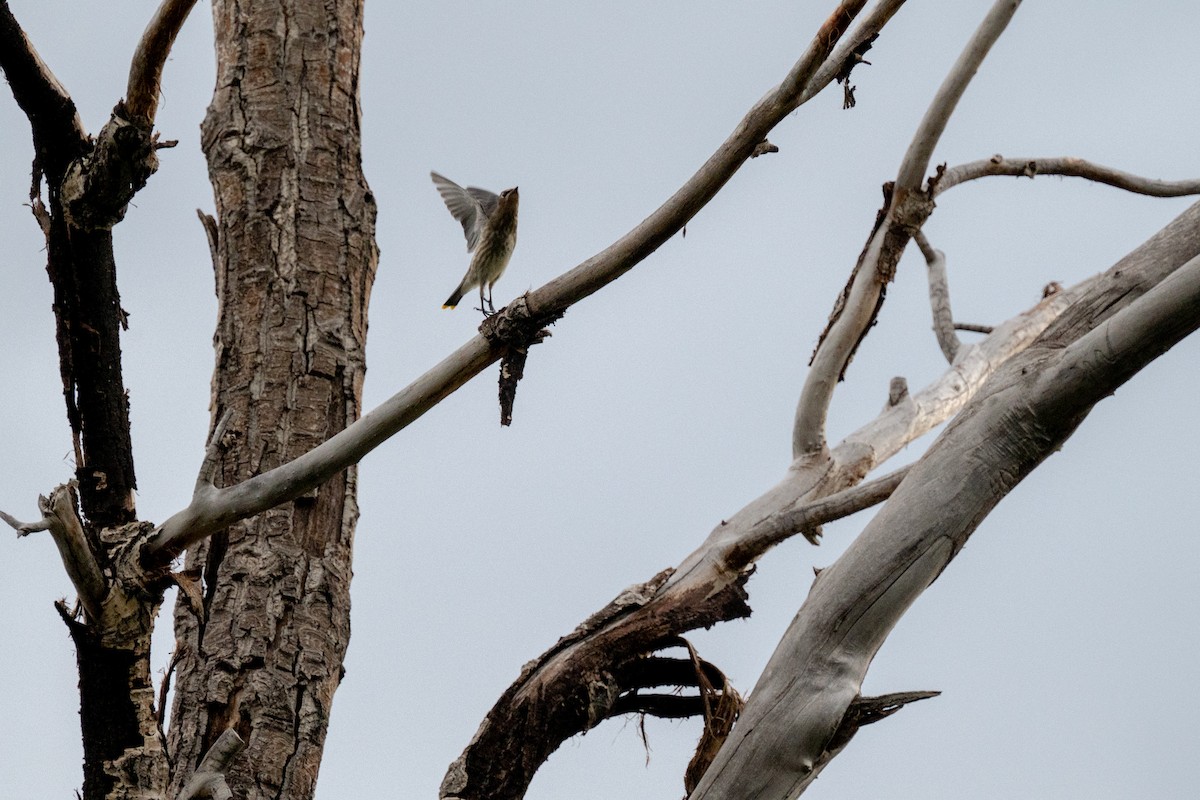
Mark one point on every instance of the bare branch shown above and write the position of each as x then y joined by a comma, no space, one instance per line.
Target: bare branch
61,518
787,522
1038,398
905,209
939,297
671,216
920,151
145,71
25,528
209,778
972,328
1067,167
866,31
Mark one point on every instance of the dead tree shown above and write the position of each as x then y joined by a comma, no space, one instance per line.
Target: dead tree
262,617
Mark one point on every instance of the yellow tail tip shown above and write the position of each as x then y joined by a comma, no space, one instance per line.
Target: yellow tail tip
450,307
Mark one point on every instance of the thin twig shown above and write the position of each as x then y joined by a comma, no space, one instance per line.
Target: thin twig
784,524
973,328
145,71
939,297
207,476
25,528
1067,167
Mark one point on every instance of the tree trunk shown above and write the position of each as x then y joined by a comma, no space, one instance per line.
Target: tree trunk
295,259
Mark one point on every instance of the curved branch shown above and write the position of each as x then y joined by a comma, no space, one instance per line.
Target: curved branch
939,297
905,209
209,778
916,160
145,71
1067,167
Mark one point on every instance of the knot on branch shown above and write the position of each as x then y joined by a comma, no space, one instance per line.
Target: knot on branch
515,328
853,59
98,186
123,546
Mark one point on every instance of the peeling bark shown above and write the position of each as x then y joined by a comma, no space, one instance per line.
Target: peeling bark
295,263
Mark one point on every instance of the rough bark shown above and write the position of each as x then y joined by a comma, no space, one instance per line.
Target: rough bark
295,262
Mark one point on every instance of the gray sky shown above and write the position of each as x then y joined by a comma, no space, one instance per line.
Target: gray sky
1061,637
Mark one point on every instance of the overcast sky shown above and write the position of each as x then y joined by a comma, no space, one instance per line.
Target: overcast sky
1063,638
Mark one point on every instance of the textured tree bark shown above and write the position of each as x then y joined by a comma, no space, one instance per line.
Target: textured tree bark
296,258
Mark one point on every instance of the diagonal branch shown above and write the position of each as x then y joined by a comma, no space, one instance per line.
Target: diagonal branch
617,259
145,71
58,133
1067,167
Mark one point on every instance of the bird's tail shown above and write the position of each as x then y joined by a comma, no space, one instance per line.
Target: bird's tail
454,298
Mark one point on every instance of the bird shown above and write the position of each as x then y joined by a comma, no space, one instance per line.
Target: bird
490,224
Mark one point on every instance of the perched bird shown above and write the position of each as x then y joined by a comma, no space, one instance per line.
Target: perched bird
490,224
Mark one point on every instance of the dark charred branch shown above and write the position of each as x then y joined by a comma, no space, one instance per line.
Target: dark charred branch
577,684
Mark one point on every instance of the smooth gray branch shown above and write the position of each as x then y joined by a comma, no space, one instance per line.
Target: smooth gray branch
920,151
209,778
939,297
145,70
1066,167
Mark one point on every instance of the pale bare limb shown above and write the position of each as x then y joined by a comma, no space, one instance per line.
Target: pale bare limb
1066,167
146,68
939,297
817,670
209,778
920,151
25,528
905,209
61,518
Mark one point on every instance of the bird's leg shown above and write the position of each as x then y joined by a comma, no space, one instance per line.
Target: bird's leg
482,308
491,306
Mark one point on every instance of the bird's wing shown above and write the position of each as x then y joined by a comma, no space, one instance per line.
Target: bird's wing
465,207
487,200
